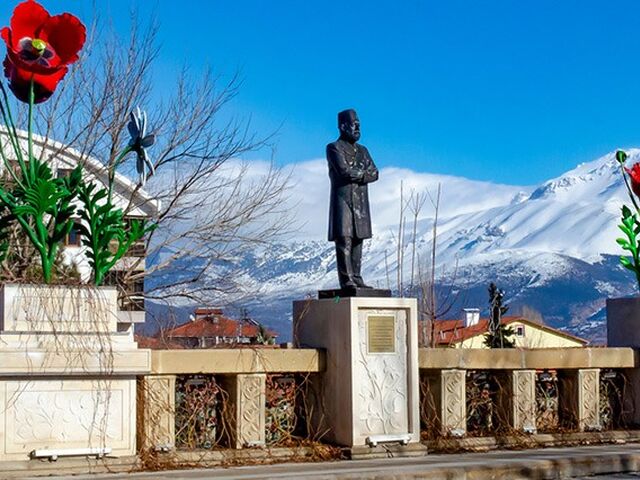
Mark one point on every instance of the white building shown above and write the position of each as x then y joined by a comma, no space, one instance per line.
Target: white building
134,201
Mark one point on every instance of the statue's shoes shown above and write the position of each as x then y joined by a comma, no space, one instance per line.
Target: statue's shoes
360,283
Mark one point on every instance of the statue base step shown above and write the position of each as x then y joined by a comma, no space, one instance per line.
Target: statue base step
354,292
386,451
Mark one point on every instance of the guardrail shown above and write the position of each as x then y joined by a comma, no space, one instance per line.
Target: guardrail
249,396
236,398
483,392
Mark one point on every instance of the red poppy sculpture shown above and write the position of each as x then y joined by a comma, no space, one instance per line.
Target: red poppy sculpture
630,221
634,175
40,46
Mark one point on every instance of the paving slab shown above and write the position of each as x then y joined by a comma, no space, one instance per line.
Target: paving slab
549,463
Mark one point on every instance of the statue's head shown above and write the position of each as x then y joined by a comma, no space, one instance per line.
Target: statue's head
349,125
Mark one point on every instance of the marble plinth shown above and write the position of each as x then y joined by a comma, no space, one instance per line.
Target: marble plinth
67,372
623,322
370,386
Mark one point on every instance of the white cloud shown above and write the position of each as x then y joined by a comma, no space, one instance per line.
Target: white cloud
309,195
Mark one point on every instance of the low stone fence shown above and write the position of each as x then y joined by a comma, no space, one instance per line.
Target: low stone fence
211,399
203,399
487,392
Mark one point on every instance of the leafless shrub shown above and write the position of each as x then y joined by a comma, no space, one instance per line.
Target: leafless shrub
199,413
481,391
547,418
614,387
430,427
281,418
213,207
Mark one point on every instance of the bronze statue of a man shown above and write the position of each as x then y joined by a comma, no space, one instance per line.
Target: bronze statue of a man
350,169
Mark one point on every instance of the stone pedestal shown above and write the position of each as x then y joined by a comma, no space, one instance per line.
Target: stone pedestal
631,400
370,386
447,388
247,409
67,375
521,393
623,322
579,397
623,330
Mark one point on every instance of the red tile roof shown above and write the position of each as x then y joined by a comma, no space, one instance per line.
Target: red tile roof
155,343
449,332
214,324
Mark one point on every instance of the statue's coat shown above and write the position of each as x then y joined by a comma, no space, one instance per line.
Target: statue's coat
350,169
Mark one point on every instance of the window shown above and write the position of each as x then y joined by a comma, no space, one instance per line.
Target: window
74,238
520,330
130,292
137,250
63,172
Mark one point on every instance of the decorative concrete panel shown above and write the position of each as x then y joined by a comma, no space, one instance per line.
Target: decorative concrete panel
453,402
579,398
158,404
251,409
247,394
65,414
370,383
382,385
589,399
523,400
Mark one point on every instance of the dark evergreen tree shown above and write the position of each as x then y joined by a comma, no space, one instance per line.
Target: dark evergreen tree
499,335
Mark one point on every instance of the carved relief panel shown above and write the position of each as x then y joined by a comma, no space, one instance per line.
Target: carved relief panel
589,399
453,401
524,400
250,417
381,373
62,414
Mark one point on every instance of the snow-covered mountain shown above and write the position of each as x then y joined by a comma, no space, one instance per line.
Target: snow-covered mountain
551,247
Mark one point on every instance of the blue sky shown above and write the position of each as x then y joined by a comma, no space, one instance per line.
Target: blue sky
505,91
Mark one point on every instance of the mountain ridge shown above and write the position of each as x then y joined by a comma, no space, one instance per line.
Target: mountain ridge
550,246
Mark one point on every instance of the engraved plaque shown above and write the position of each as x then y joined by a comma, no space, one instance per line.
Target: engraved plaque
381,333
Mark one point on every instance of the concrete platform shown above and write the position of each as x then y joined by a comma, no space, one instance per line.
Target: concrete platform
551,463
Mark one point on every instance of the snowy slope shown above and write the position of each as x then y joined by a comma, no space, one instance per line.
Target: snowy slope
551,246
574,215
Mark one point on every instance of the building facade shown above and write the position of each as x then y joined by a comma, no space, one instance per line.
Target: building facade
528,334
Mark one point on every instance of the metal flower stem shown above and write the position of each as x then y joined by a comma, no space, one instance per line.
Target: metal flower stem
41,229
5,110
38,232
112,169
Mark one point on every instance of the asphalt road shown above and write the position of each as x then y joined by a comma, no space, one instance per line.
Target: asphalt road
579,462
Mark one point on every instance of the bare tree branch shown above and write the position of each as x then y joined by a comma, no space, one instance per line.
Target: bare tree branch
213,207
